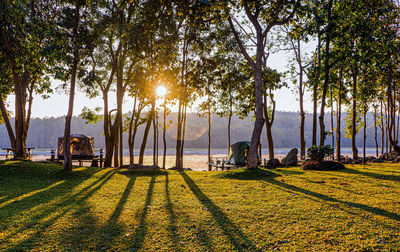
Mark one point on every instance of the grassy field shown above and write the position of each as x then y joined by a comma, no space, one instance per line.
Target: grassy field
42,208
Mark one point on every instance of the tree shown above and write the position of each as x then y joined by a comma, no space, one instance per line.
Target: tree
208,75
27,35
6,89
272,81
262,15
295,38
74,40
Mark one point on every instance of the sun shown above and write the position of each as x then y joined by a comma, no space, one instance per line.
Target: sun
161,91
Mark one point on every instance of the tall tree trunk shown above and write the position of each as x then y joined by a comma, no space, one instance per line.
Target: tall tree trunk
301,105
398,119
146,131
322,133
332,134
392,113
178,137
121,144
398,122
116,149
108,132
7,122
387,128
183,134
364,132
315,97
354,115
19,122
29,113
252,160
382,130
376,133
164,135
154,141
157,135
209,134
67,130
229,123
130,133
178,147
338,119
268,125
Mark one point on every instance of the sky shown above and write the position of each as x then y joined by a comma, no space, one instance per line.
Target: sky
57,104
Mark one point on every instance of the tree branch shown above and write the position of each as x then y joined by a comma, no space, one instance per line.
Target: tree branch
240,43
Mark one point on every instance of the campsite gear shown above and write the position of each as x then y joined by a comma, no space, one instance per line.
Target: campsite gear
81,146
239,152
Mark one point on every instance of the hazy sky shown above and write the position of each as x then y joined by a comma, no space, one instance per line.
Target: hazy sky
57,104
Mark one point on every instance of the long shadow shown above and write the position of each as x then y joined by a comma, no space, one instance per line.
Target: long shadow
373,210
141,230
111,229
200,234
142,173
46,196
172,218
44,175
235,235
373,175
71,202
247,174
333,187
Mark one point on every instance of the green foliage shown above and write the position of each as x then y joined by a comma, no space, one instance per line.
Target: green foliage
91,115
349,122
318,153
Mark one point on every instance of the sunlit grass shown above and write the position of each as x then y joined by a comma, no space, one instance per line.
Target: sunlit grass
42,208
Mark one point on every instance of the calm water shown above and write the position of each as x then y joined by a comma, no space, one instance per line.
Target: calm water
203,151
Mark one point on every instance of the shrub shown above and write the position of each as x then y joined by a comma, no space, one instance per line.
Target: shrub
318,153
323,166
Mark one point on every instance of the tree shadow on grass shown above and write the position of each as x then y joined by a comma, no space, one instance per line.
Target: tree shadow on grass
71,202
247,174
19,178
235,235
172,218
289,172
373,175
141,230
44,196
112,229
200,234
142,173
373,210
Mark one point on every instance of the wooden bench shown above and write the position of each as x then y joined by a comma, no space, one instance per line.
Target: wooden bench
9,150
99,159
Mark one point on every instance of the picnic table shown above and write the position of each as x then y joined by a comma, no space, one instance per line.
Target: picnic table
28,151
217,163
222,166
100,158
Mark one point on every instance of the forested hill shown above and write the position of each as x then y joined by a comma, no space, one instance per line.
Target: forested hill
43,133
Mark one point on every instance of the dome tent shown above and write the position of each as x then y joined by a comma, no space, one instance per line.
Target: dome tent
81,146
239,152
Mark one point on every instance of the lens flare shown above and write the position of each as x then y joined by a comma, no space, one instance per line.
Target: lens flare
161,91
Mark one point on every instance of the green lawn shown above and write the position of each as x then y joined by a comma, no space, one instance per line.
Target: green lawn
42,208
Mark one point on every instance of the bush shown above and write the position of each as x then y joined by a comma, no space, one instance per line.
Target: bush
318,153
323,166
